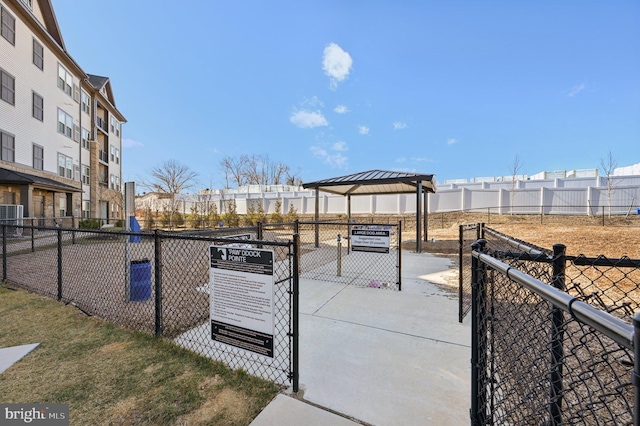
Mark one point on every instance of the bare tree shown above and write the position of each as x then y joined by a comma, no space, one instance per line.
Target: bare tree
171,178
515,167
608,165
234,169
256,169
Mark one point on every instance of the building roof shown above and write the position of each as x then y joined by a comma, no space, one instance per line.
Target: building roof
12,177
374,182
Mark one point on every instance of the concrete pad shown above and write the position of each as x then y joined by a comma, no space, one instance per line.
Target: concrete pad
387,357
9,356
287,411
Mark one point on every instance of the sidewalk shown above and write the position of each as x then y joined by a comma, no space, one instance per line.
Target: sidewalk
378,356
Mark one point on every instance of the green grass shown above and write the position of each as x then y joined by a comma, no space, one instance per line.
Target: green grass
109,375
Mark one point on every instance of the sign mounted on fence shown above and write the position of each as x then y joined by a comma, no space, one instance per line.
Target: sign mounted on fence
370,238
241,288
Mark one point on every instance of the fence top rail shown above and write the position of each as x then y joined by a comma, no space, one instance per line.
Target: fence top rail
623,262
348,223
604,322
516,243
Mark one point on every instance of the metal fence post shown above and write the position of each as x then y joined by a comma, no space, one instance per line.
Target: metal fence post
399,255
59,232
557,338
460,271
158,280
33,237
295,313
635,379
4,252
478,361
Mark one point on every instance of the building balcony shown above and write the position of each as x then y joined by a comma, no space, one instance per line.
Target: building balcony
102,124
103,156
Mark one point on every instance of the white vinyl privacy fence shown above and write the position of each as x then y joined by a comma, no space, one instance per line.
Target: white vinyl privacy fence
576,196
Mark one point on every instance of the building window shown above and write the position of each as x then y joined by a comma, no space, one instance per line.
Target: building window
86,175
8,26
65,80
117,156
86,209
65,124
76,172
28,3
38,54
86,103
38,107
85,138
113,181
76,133
65,166
8,147
118,128
38,157
8,90
113,153
113,125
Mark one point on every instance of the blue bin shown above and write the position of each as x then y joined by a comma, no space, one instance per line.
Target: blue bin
140,272
638,211
134,226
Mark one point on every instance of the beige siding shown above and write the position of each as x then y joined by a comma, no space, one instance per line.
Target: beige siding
18,119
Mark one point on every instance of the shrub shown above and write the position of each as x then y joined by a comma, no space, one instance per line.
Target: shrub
89,224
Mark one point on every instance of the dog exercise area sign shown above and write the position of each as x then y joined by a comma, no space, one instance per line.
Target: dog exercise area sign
370,238
241,288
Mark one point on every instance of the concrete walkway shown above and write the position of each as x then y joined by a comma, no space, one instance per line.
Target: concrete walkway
378,356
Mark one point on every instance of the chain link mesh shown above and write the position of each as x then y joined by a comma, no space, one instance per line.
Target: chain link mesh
468,234
114,275
540,365
324,257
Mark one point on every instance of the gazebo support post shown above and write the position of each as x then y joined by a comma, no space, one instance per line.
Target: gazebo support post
317,219
348,237
426,217
418,216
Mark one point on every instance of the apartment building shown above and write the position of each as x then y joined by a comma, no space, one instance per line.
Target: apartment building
60,130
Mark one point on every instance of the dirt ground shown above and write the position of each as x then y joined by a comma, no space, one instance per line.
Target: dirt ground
611,241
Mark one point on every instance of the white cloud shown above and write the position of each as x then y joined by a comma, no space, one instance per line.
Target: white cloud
308,119
313,102
364,130
341,109
451,141
399,125
576,89
336,63
335,160
130,143
401,159
340,146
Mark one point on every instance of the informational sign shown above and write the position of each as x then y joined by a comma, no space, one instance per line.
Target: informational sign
241,286
371,239
238,237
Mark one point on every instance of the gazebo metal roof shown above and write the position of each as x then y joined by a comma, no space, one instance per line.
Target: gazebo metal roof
374,182
379,182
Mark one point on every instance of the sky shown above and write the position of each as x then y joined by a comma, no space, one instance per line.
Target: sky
458,89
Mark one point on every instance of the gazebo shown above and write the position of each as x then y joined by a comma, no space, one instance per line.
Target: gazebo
374,182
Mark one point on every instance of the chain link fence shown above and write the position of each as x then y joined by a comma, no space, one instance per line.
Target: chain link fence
329,254
552,339
467,235
157,283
